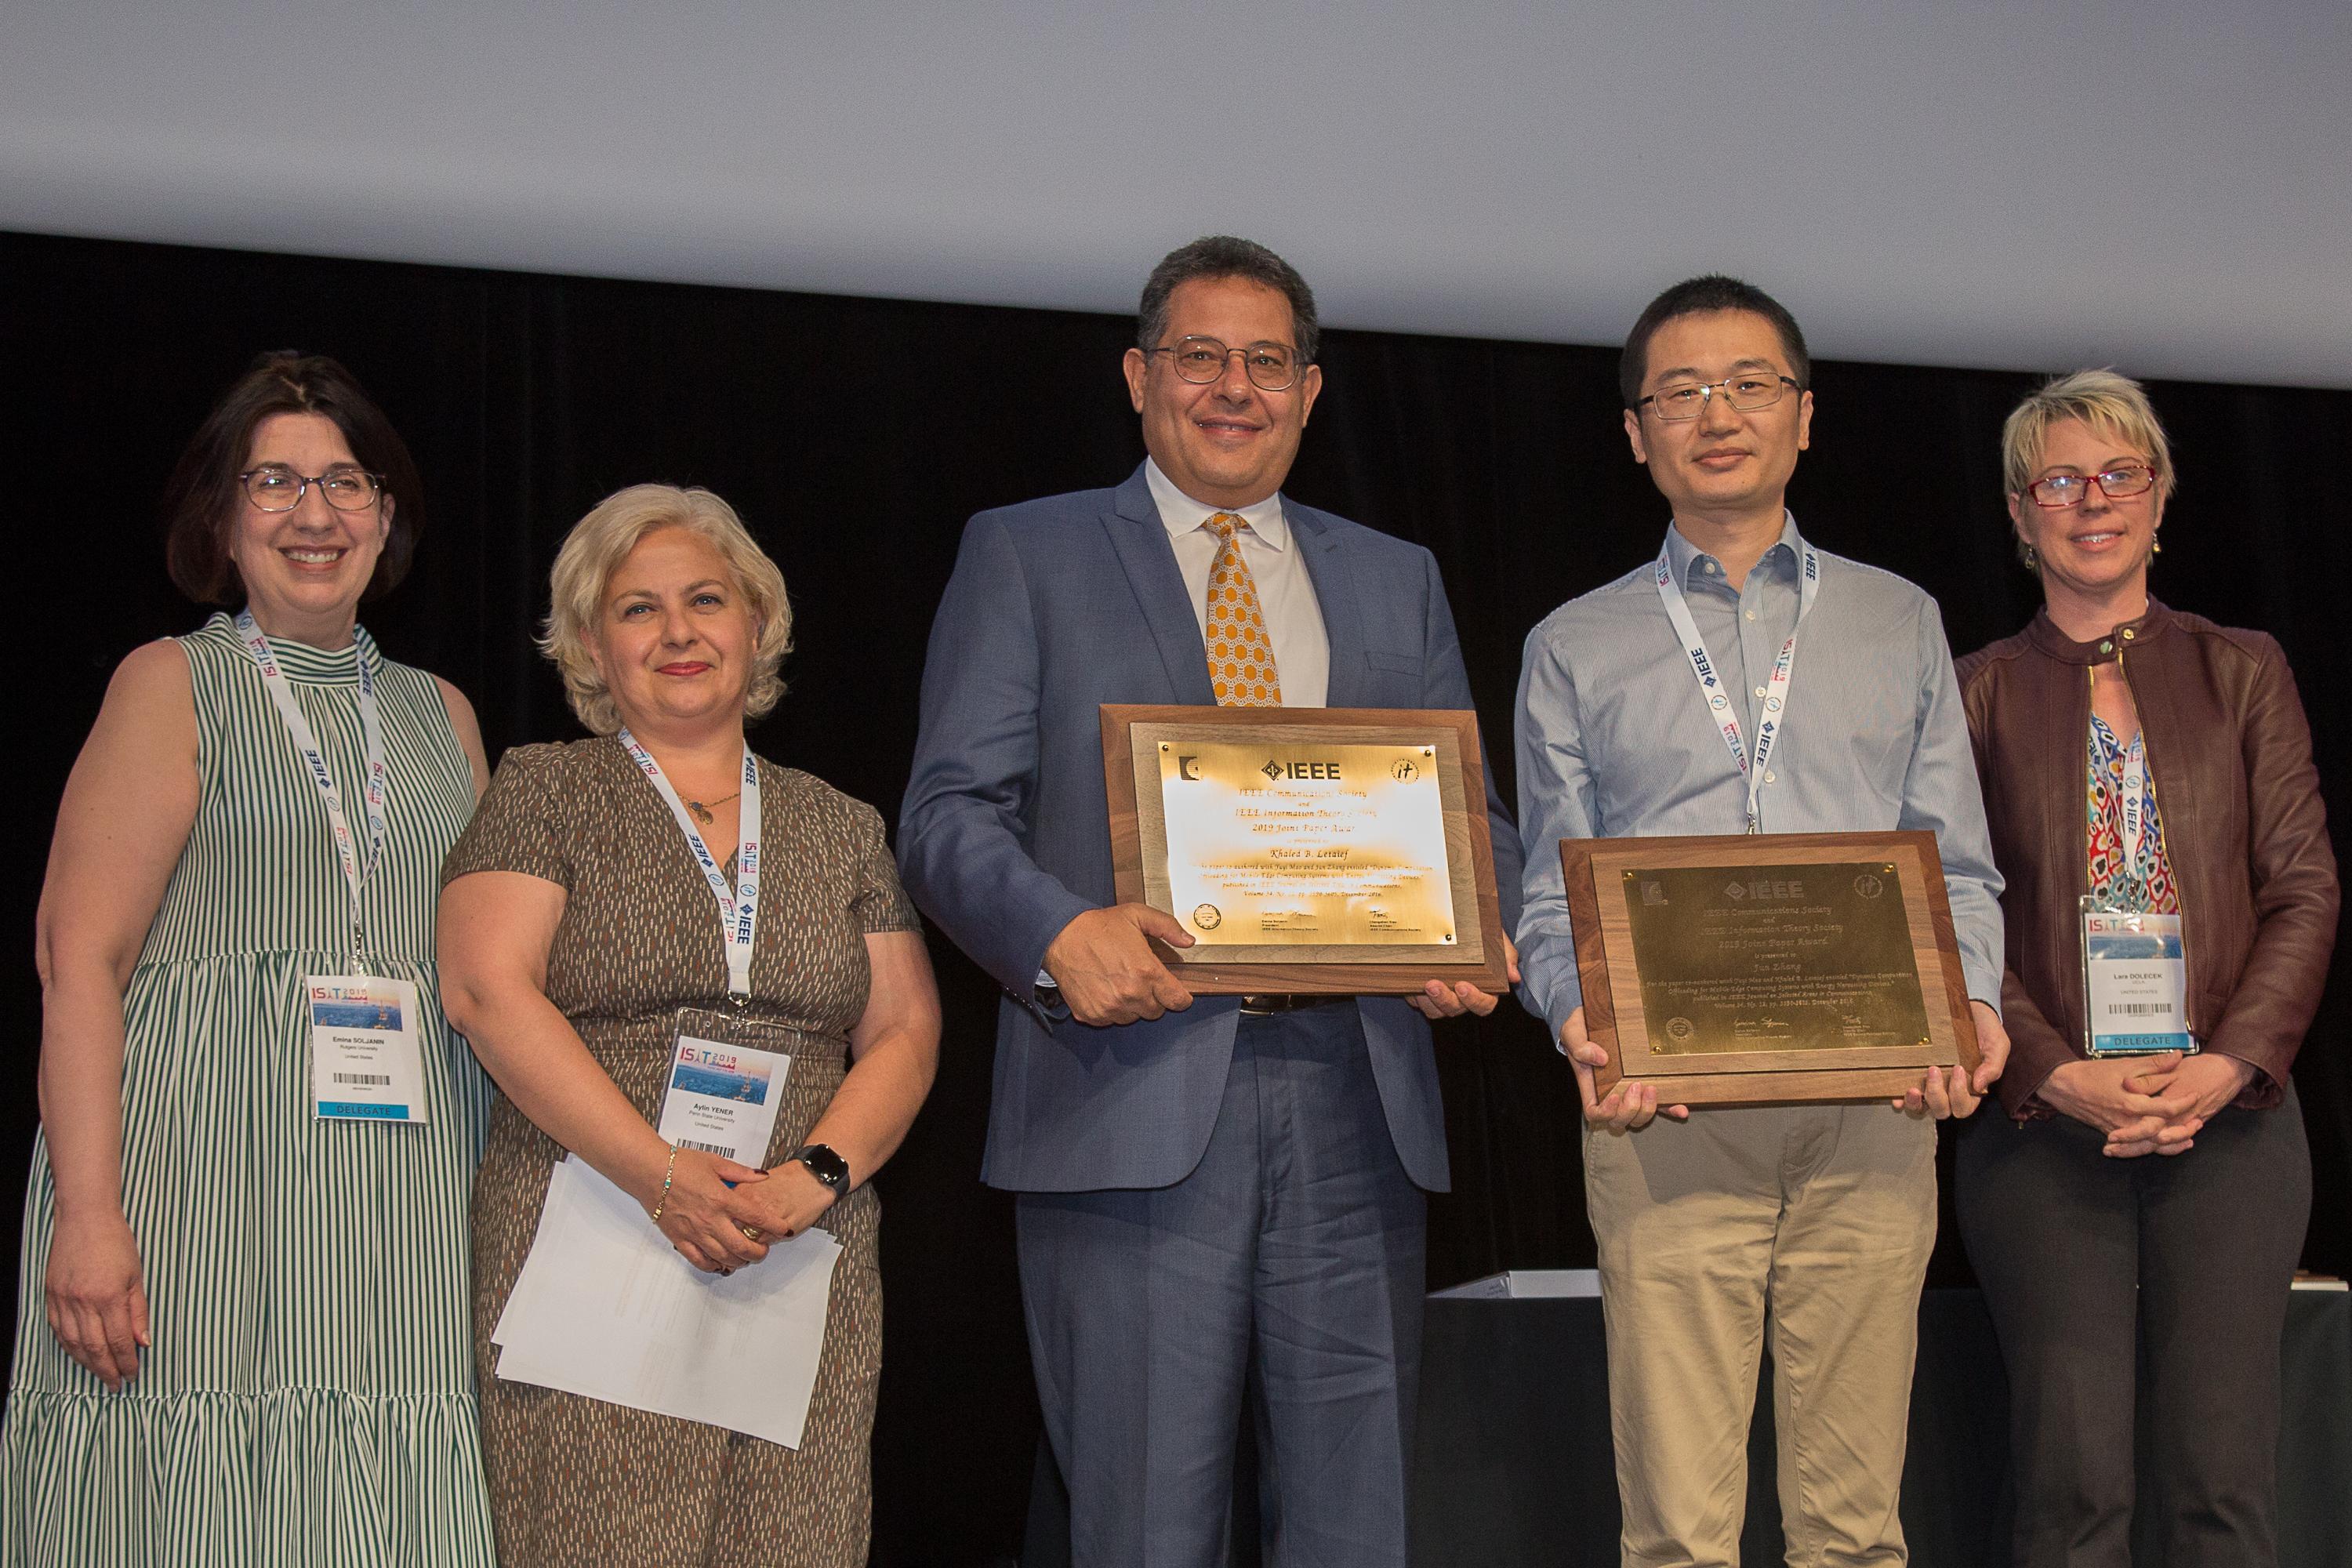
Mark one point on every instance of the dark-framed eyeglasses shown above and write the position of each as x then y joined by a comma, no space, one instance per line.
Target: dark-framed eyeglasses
2056,492
1747,391
274,487
1271,367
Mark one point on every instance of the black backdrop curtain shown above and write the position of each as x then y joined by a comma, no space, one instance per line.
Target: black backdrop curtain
856,436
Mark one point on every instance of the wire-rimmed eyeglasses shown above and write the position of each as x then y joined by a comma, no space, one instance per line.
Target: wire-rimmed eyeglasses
274,487
1271,367
1747,391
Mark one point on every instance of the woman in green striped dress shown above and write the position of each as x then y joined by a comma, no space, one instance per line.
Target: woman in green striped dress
242,1330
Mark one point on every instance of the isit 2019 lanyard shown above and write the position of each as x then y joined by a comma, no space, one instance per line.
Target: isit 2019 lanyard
722,1097
1717,696
738,907
366,1063
2135,802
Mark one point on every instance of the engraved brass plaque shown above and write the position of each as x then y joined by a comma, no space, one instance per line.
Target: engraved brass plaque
1802,956
1769,968
1304,844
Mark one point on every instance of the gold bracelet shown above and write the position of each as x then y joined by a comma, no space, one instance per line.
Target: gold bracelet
668,1172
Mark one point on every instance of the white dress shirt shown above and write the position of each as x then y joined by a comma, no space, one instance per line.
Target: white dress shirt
1285,594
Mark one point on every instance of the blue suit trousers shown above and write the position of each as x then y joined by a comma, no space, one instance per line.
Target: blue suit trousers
1288,1262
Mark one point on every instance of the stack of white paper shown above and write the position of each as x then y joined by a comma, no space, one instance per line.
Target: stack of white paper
607,1307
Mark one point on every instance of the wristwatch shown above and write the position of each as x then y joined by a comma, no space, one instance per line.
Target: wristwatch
825,1165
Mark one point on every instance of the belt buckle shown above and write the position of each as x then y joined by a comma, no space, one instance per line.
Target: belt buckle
1273,1002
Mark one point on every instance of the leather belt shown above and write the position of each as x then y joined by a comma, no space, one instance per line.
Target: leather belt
1261,1006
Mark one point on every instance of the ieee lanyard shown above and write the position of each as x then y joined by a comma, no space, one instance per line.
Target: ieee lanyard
281,693
2135,798
1710,685
738,908
2135,786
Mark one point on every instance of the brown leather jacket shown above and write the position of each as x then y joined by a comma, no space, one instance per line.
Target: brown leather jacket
2243,825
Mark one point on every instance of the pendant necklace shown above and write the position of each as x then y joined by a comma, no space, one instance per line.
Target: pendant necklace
701,809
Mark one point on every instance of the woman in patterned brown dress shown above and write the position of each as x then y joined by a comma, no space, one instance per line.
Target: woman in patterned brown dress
576,923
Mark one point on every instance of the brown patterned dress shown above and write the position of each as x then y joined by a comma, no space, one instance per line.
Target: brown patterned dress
575,1481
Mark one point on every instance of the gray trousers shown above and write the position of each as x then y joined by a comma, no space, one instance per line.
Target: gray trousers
1288,1265
2130,1293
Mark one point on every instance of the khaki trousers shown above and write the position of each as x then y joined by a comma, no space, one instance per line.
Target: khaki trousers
1803,1227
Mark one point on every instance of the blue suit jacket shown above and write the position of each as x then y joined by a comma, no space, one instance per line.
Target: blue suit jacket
1058,606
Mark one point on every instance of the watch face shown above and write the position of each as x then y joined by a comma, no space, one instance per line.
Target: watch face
825,1165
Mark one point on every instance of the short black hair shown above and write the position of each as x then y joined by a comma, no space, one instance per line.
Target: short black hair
1222,256
1697,296
200,502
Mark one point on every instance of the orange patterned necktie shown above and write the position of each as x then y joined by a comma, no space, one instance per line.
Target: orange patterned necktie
1241,655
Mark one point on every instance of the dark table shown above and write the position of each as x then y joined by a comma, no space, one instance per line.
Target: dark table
1513,1463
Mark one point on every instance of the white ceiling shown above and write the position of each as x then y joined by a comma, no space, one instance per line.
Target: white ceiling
2159,185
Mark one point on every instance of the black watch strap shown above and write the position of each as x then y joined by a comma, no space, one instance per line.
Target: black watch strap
824,1164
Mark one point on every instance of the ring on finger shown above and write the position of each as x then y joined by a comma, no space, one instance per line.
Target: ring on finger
750,1232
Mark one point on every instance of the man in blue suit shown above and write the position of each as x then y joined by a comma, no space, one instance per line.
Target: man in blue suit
1212,1196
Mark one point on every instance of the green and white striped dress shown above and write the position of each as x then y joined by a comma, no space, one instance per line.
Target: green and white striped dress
310,1396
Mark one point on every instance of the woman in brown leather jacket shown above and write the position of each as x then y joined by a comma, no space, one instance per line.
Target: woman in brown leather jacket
2154,768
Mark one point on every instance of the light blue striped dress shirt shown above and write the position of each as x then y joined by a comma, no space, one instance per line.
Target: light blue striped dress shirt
1614,740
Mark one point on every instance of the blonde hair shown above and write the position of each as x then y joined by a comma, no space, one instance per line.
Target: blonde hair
594,549
2113,405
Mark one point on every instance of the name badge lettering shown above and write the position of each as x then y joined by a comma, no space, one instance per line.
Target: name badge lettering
2135,985
722,1098
366,1061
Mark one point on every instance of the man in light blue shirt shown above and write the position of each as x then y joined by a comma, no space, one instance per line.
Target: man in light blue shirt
1719,1227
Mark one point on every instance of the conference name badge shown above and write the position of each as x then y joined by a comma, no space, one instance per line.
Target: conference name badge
722,1099
2135,985
366,1062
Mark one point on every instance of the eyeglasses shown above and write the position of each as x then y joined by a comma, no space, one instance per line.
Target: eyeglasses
2120,483
1747,391
1271,367
274,487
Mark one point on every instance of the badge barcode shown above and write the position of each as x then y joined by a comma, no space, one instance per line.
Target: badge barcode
380,1079
2139,1009
721,1149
